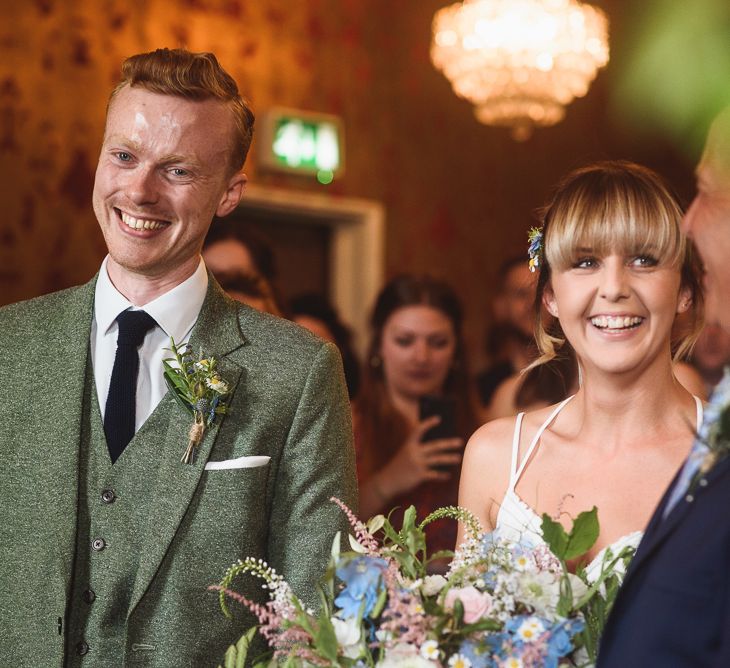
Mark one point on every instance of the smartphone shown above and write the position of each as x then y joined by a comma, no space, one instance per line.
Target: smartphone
445,408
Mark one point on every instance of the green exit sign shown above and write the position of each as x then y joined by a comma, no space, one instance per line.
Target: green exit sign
303,142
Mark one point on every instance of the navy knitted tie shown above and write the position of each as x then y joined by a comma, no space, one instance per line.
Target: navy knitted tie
119,414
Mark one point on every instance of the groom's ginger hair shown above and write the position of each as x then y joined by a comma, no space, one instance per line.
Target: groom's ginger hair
192,76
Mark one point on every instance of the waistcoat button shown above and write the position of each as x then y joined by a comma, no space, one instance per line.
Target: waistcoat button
89,596
98,544
82,648
108,496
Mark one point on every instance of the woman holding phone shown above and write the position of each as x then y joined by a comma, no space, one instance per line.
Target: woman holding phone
615,271
416,363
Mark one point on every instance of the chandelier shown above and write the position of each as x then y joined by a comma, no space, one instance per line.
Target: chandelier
520,62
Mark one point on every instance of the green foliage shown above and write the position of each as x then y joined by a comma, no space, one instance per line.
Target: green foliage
236,654
466,517
597,602
567,546
325,638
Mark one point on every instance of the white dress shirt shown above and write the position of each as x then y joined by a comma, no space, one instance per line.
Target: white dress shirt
175,313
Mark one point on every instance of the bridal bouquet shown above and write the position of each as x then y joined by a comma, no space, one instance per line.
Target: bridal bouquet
502,603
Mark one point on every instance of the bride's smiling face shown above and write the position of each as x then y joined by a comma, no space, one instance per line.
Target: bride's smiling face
617,309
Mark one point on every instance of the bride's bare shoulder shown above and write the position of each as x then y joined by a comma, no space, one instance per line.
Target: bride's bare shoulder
499,434
492,441
485,469
493,432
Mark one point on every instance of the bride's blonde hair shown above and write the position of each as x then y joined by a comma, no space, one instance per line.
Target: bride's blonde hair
614,207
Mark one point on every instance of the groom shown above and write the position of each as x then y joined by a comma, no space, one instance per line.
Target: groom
673,610
108,541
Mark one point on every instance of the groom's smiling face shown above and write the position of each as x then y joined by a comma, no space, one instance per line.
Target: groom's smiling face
164,172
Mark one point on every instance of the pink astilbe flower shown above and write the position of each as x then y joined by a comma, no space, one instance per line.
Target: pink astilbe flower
364,537
403,618
270,622
281,633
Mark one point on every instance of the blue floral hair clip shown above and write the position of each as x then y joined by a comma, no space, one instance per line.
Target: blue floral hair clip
535,250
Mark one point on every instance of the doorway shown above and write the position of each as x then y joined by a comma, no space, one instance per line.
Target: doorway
330,246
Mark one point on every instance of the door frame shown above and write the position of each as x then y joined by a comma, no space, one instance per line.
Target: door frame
357,248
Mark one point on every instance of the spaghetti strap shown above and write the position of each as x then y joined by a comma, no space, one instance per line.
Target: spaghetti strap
515,451
534,442
700,412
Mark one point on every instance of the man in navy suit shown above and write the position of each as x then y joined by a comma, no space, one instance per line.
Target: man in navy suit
673,610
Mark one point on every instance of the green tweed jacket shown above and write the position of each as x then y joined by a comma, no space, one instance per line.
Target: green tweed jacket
288,403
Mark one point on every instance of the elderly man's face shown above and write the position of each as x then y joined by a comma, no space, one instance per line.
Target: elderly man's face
707,223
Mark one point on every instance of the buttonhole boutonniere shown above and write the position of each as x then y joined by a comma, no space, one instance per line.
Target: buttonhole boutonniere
715,430
198,388
718,441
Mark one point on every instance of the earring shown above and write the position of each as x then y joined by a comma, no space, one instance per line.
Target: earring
375,361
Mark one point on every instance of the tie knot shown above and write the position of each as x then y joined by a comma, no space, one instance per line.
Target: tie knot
133,325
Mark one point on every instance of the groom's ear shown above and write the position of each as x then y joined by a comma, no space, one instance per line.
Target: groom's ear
548,299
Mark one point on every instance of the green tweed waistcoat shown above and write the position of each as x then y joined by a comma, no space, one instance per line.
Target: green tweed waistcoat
112,512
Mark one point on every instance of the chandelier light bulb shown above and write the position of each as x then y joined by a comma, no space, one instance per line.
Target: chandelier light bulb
520,62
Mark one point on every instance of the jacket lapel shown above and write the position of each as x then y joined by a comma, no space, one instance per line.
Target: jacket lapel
660,528
217,332
58,435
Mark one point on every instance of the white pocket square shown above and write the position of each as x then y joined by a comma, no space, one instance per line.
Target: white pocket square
239,463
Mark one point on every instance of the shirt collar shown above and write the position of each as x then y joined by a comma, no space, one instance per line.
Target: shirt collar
175,311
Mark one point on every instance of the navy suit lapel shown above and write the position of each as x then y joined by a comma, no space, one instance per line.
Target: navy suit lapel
660,528
217,333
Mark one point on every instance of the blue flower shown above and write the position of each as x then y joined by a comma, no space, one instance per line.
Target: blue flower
534,250
559,642
362,577
479,653
488,541
495,644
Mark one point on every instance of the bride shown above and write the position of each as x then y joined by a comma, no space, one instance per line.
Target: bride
615,271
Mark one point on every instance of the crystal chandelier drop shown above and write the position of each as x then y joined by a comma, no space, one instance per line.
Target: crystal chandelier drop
520,62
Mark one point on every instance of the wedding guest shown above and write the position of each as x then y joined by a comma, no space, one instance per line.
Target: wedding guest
536,387
315,313
674,606
416,350
232,246
250,289
510,341
109,542
614,271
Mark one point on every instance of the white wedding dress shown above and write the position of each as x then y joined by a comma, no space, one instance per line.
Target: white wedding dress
516,520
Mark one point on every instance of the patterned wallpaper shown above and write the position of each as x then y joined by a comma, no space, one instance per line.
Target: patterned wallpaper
459,196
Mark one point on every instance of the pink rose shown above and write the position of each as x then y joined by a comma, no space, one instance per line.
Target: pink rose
476,603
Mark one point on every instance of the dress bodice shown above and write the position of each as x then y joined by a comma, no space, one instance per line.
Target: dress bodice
516,520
